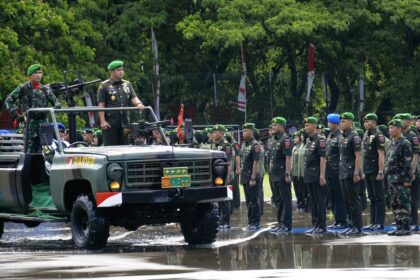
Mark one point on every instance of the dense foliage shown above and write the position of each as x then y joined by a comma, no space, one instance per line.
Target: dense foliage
380,39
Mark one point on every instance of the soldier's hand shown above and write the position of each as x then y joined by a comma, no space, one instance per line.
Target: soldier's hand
407,184
356,179
252,183
140,106
380,177
105,125
287,179
322,181
237,172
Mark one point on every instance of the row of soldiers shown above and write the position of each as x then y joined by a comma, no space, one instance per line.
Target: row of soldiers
335,163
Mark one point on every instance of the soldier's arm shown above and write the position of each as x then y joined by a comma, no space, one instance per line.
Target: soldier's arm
381,152
416,151
12,99
135,101
256,151
407,168
101,96
52,98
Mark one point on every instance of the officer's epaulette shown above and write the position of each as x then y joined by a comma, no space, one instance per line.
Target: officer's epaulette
104,82
124,81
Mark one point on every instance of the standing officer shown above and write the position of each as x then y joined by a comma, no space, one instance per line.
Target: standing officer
333,161
220,144
373,168
399,174
349,172
314,175
31,94
415,147
279,172
112,93
250,178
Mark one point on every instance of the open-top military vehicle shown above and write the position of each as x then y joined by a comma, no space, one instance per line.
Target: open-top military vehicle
94,188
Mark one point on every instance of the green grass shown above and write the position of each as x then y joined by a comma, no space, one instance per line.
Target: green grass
266,187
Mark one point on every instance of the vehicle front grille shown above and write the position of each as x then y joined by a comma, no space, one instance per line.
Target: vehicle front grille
148,174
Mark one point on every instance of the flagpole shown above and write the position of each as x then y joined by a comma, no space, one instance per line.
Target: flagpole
244,71
156,81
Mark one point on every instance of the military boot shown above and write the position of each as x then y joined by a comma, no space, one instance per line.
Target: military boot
405,230
393,232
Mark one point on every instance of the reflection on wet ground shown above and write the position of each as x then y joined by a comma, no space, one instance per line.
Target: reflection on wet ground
47,251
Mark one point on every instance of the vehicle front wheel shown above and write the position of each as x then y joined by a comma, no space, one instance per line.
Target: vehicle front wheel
89,229
201,225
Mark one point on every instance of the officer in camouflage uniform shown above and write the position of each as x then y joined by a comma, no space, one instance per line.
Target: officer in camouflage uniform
296,178
31,94
349,172
280,168
399,173
314,175
267,160
415,147
333,161
220,144
373,168
112,93
250,177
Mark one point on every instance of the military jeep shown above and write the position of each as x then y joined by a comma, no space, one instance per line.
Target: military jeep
93,188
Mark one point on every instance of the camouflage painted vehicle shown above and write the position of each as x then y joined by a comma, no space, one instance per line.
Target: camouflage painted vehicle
94,188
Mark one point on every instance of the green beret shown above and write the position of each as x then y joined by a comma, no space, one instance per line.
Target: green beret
396,122
208,130
370,117
360,132
279,120
297,133
413,128
33,68
98,133
249,126
228,137
220,127
115,64
347,116
87,130
403,116
383,128
312,120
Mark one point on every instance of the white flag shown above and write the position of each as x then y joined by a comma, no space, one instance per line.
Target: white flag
242,95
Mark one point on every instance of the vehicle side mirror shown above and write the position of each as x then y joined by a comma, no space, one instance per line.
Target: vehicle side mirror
188,129
46,134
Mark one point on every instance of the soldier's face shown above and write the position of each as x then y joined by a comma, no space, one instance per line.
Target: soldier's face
310,128
247,133
155,134
117,74
277,128
36,77
87,137
346,125
296,140
332,126
394,131
218,135
418,124
210,135
406,123
369,124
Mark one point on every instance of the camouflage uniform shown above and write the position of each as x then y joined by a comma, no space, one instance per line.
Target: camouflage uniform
236,201
25,97
399,171
224,206
267,160
116,94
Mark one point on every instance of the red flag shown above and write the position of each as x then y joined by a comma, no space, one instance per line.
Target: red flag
180,122
242,95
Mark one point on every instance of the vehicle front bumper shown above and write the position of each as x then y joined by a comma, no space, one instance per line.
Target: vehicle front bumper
173,196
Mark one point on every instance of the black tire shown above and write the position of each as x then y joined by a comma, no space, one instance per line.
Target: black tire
89,229
31,224
1,228
201,225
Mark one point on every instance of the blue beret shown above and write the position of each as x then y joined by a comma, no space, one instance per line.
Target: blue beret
333,118
60,126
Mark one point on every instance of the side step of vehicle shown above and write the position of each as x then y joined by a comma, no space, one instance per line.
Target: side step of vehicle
35,216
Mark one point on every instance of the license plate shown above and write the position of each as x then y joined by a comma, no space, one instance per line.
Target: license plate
180,181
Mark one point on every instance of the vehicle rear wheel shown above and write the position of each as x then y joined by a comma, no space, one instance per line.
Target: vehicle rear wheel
201,225
1,227
89,229
31,224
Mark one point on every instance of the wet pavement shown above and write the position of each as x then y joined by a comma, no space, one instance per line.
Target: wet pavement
159,252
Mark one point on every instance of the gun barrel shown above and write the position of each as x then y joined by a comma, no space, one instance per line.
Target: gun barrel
81,85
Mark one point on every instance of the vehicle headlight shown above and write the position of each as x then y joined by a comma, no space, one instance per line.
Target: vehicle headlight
219,167
114,171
